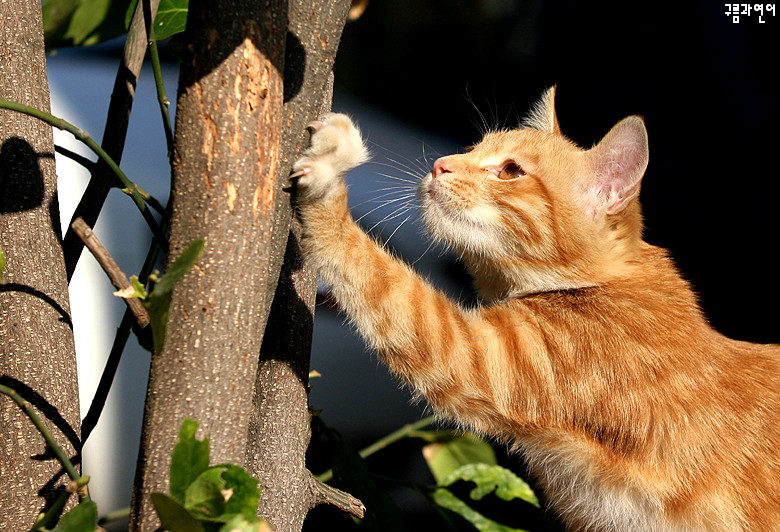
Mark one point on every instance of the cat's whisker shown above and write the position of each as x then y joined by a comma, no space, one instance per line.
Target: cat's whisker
387,240
398,211
384,204
431,243
414,181
411,165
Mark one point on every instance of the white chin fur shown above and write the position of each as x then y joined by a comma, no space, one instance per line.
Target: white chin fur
465,232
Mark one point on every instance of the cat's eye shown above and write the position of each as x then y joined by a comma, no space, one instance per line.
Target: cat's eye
510,170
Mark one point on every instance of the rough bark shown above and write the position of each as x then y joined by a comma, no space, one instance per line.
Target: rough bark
227,154
37,355
279,430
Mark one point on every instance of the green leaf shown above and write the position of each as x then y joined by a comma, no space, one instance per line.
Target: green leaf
245,493
243,523
82,22
446,499
205,498
492,478
180,266
171,17
445,457
221,492
189,459
173,516
82,518
158,302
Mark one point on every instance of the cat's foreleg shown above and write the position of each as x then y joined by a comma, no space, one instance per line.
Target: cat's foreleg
422,335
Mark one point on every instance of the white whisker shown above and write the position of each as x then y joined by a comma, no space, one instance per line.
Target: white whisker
385,204
387,240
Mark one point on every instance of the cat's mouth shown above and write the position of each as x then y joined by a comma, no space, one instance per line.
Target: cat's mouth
432,192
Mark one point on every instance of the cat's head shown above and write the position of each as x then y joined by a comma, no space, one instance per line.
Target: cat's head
530,211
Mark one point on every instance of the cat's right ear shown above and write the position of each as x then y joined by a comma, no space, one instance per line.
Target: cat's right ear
542,114
617,164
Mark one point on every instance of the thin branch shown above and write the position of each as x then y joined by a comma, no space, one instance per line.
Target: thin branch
325,494
140,197
92,417
162,97
112,269
114,516
115,130
75,157
75,486
401,433
117,348
51,443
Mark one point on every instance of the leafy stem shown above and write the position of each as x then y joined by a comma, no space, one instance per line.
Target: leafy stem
139,195
51,443
399,434
162,98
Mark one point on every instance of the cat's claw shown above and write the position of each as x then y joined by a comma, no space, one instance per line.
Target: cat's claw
316,125
336,147
301,172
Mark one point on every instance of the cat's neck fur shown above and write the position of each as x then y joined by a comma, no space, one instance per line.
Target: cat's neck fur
620,256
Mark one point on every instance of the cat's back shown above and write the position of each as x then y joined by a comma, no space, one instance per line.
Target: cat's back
647,392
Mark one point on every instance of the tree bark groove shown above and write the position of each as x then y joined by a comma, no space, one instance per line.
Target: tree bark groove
255,78
227,153
279,430
37,353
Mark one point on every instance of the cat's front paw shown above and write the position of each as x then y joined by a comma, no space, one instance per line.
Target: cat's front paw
336,147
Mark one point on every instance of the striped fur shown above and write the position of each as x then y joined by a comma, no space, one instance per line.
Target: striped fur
589,355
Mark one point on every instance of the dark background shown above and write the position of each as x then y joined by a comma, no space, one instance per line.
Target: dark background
706,87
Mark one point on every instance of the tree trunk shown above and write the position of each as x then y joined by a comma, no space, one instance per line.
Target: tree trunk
37,355
279,430
227,156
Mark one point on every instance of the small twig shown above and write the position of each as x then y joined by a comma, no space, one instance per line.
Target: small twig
53,511
114,132
26,406
139,195
112,269
162,98
117,348
75,157
92,417
325,494
75,486
114,516
383,442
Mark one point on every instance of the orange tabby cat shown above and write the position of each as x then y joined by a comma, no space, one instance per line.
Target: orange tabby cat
589,353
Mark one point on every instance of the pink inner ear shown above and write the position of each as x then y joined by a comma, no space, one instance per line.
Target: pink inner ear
618,162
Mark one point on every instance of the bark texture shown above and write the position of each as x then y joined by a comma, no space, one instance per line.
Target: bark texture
37,355
279,430
227,156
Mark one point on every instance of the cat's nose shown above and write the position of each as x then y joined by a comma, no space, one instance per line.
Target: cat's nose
441,166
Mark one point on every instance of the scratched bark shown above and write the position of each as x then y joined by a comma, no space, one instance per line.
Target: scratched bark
227,156
37,355
279,430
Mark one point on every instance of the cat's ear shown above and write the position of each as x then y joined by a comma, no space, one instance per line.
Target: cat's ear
617,165
542,114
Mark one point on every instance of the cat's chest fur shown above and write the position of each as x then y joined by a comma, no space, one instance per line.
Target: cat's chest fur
594,360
